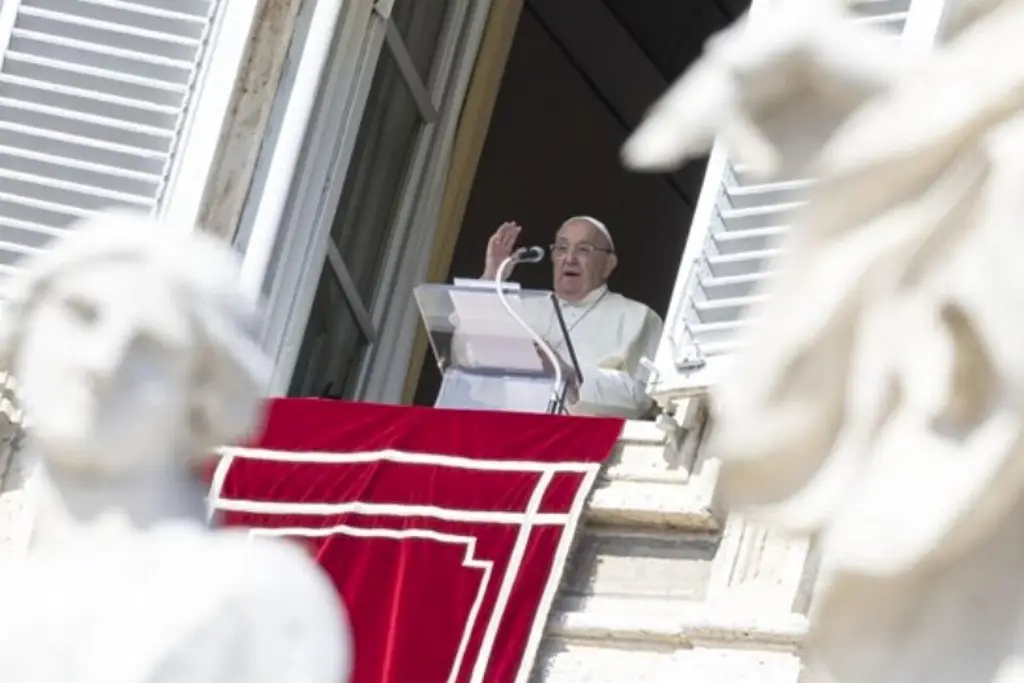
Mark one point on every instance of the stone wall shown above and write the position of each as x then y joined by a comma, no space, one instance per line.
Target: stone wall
14,471
243,134
234,165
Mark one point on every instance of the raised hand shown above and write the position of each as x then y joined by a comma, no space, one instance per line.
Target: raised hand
500,247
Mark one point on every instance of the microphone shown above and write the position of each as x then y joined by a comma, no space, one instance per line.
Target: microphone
531,255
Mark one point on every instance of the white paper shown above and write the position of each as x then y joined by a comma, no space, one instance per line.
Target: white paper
488,336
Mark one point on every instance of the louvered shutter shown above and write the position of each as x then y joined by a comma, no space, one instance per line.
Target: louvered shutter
94,95
732,245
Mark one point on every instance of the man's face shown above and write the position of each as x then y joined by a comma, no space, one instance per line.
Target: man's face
582,260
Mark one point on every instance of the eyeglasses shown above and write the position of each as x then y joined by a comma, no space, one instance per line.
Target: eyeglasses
584,250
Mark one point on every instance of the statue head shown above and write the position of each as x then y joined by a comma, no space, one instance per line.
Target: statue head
132,345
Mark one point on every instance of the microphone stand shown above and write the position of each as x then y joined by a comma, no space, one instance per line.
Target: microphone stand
557,402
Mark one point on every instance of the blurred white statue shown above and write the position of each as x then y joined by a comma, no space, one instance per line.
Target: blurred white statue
135,354
879,400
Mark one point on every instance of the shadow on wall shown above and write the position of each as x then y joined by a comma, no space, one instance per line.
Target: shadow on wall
552,152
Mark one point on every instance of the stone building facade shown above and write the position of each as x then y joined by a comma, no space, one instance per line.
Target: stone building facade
334,142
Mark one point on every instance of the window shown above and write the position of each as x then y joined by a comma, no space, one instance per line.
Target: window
735,237
398,108
95,101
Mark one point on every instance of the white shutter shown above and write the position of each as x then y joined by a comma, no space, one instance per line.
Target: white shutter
93,98
731,248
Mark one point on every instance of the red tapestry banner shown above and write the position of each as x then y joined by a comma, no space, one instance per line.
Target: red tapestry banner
446,532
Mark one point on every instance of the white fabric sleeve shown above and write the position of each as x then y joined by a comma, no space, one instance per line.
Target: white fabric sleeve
621,392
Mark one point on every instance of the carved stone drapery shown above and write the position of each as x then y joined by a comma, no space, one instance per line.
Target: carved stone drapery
879,400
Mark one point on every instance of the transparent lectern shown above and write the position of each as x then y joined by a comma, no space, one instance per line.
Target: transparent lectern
487,359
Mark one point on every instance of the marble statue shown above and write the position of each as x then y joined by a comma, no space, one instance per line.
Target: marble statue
135,355
878,404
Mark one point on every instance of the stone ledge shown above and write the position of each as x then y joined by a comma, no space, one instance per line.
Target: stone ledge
627,562
661,502
642,431
562,660
644,462
647,451
666,448
609,620
658,506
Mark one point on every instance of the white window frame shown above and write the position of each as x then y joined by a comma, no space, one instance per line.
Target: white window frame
923,25
204,117
315,178
672,380
396,315
668,379
296,294
8,13
300,220
427,112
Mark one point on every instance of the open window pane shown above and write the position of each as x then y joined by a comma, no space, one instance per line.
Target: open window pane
738,232
365,221
332,343
421,24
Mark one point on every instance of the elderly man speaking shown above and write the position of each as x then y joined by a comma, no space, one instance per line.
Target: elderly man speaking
609,332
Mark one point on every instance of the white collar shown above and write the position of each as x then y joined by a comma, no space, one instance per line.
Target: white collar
589,300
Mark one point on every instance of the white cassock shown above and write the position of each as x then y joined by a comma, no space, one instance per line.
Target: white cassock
610,333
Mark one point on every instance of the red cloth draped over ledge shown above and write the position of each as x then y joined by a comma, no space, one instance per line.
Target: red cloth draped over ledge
446,532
